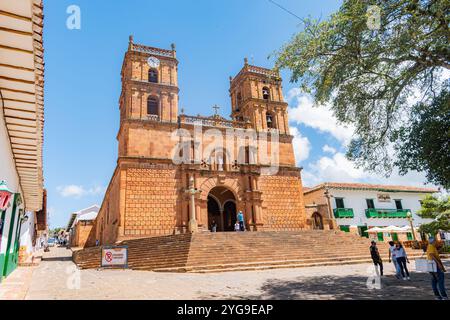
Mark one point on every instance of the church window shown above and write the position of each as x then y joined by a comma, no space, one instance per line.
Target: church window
239,100
266,93
152,105
153,75
269,120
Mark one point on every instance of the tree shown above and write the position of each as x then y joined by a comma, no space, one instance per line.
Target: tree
54,232
426,144
437,209
369,76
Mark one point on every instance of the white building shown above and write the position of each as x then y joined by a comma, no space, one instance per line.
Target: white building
21,126
81,228
356,207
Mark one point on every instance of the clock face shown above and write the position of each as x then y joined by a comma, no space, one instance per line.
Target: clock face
153,62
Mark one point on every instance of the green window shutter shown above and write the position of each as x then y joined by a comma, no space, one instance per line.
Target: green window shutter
345,228
409,236
380,236
394,237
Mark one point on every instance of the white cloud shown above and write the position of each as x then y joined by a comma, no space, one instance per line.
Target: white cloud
318,117
301,145
327,148
338,168
333,166
78,191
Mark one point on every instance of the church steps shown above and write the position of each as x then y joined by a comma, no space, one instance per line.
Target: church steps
261,259
182,255
269,264
209,252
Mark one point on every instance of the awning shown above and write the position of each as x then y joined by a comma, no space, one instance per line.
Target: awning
376,229
22,91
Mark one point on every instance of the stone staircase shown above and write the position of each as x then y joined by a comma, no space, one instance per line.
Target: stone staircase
238,251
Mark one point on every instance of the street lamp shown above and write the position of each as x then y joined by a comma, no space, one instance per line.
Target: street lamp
23,217
410,219
330,214
5,195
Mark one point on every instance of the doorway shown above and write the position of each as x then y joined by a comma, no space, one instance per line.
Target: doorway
317,221
221,208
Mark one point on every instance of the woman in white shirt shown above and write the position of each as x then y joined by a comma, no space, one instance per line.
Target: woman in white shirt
402,259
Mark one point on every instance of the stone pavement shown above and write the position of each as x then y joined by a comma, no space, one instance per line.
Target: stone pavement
58,278
15,287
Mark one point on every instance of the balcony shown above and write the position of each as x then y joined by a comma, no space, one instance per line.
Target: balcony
214,121
153,117
343,213
387,213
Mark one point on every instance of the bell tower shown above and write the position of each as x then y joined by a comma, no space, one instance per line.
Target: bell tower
149,84
256,96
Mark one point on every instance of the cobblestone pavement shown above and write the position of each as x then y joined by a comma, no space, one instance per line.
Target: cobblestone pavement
58,278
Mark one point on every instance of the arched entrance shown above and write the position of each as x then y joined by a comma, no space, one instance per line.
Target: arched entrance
317,221
213,212
221,209
229,215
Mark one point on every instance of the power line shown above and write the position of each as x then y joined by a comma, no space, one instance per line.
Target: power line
283,8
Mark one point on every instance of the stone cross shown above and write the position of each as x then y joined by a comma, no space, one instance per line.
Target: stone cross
192,191
216,107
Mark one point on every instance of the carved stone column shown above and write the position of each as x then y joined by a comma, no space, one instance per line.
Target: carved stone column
192,191
222,224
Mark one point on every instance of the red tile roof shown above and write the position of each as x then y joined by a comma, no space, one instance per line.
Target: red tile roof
367,186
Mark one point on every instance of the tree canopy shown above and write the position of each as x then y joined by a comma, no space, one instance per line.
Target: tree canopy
437,209
372,76
426,140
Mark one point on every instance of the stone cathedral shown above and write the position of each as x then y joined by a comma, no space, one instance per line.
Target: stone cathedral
152,193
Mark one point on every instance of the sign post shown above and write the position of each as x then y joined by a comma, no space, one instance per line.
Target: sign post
115,257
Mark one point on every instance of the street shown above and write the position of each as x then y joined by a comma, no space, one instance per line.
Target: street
57,278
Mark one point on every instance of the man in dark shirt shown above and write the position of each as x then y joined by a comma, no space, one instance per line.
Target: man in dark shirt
376,256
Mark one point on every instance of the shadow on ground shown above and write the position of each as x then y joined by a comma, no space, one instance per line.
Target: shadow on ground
341,288
57,259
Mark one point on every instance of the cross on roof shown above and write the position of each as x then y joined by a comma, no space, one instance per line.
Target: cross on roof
216,107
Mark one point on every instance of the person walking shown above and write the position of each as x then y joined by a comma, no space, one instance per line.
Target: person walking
214,226
376,257
402,259
393,258
437,278
240,218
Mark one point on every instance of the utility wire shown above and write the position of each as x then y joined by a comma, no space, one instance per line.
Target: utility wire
283,8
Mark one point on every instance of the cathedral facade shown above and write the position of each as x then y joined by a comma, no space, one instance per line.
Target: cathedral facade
177,173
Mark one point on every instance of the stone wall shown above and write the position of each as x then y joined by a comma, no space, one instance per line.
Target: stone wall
109,219
85,234
282,202
151,201
316,197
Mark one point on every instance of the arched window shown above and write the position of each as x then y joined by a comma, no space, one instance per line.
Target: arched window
266,93
152,105
153,75
239,100
269,120
247,155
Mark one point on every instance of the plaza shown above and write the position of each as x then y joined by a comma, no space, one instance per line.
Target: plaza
54,279
185,160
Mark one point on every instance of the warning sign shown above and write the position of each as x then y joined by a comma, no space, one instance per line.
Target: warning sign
116,256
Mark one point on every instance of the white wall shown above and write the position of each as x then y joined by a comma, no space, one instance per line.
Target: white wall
9,174
356,199
27,231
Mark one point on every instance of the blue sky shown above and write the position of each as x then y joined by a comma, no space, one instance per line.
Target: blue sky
82,83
